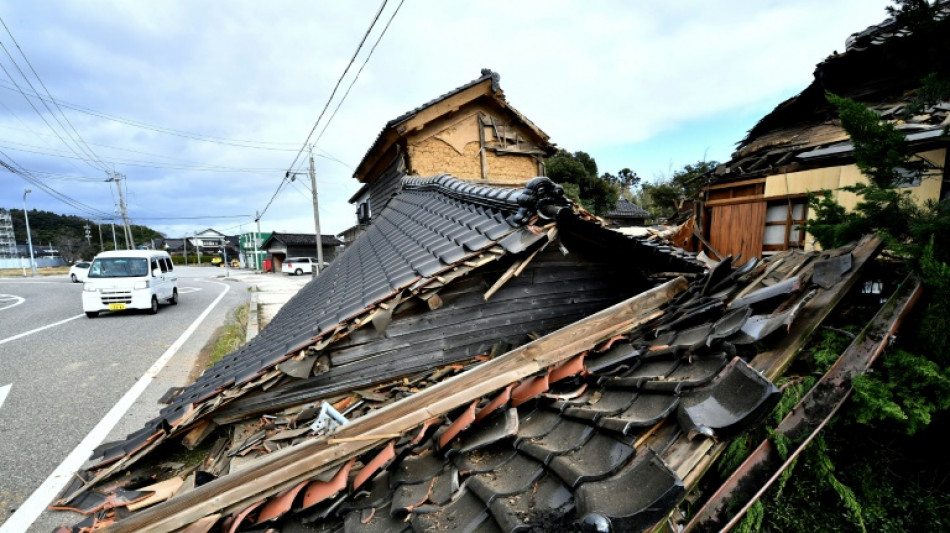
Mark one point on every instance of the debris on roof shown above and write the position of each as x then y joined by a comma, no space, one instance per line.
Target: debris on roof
449,271
601,424
882,68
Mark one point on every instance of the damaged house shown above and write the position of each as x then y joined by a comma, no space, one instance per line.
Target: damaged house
471,133
801,148
480,358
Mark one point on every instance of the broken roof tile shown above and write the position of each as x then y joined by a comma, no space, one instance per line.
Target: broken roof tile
545,506
609,505
737,399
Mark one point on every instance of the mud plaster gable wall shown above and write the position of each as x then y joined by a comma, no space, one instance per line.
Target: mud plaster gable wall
452,145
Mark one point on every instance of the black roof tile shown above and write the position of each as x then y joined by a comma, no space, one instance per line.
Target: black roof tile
543,507
515,476
647,409
595,459
610,503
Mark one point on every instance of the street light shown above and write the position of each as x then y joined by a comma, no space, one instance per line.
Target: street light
29,239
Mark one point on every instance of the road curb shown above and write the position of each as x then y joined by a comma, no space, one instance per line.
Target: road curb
253,316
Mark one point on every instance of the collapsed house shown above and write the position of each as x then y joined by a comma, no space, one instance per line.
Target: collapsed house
480,358
801,147
601,425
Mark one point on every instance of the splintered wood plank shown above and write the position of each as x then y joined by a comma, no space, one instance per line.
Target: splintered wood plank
289,466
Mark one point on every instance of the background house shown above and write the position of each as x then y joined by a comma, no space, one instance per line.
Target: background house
280,246
757,200
627,214
471,133
249,249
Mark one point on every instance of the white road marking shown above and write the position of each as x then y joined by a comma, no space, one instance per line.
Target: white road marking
8,301
31,509
37,330
187,290
4,390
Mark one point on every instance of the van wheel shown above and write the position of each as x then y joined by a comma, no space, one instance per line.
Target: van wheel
298,272
154,309
73,277
92,314
174,299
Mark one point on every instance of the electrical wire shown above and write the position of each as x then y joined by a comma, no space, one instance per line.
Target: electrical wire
338,82
154,164
240,143
50,126
82,142
358,72
279,187
15,168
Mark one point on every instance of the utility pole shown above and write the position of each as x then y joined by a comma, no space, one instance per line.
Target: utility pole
129,242
257,243
224,254
102,247
29,238
316,215
198,244
184,241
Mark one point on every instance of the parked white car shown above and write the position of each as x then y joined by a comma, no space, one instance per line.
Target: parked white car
300,265
79,271
129,279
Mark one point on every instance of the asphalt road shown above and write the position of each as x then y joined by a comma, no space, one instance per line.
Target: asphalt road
58,383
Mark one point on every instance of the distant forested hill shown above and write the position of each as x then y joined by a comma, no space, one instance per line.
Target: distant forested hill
68,234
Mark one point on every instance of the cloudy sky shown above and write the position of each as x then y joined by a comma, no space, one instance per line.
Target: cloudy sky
204,105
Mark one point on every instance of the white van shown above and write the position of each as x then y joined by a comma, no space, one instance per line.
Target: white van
129,279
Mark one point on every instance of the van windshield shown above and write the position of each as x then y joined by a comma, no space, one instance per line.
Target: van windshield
119,267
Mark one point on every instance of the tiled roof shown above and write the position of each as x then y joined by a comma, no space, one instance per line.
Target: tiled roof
597,439
487,74
627,209
302,239
435,227
878,34
580,445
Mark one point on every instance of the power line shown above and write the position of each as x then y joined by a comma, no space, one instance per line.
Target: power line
338,82
38,78
40,114
197,217
358,72
15,168
279,187
239,143
153,164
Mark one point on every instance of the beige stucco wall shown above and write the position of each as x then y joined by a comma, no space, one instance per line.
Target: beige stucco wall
833,178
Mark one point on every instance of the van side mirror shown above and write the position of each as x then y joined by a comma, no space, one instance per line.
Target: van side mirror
156,272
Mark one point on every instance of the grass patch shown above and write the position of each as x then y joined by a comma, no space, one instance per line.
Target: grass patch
233,335
40,271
